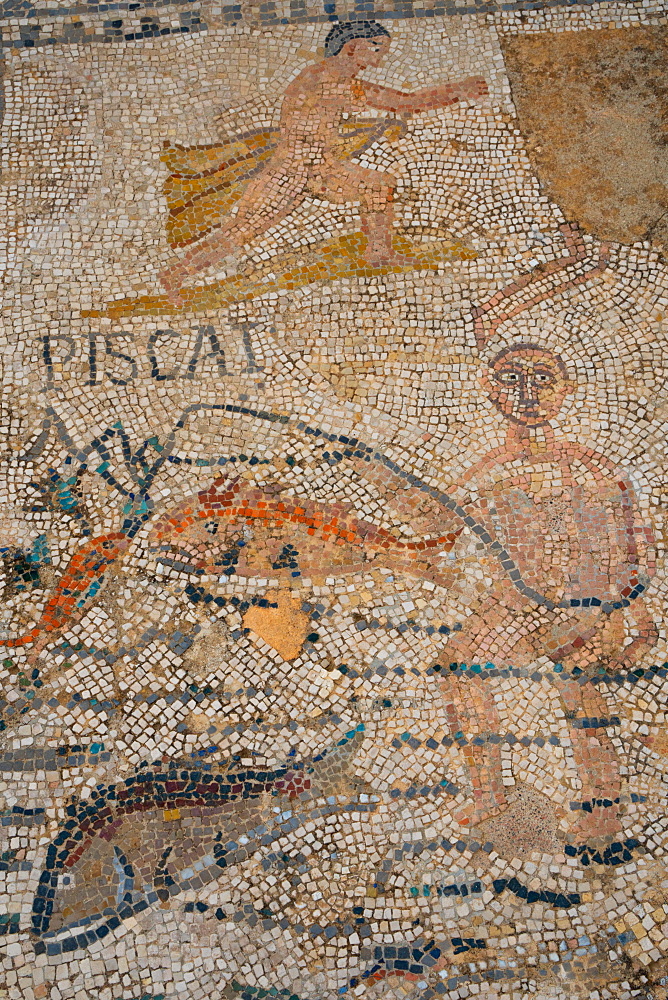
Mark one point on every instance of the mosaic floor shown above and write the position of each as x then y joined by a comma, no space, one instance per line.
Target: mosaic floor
333,636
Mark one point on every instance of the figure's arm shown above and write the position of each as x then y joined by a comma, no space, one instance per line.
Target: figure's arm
470,89
403,499
598,465
640,537
298,97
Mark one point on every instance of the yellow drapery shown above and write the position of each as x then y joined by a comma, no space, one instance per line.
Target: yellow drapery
205,182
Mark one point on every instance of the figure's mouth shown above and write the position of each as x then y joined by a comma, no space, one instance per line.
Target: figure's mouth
530,411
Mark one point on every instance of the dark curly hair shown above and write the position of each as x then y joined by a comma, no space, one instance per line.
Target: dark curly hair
347,31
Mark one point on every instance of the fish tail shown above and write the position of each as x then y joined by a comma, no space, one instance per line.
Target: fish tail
23,640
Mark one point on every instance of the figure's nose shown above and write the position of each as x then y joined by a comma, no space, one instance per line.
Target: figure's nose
528,395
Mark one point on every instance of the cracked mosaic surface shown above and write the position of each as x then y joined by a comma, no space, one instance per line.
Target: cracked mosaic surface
332,470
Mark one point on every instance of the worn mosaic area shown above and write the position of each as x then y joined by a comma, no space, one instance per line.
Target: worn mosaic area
333,641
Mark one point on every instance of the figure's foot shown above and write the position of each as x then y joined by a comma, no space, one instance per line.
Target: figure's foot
628,657
382,257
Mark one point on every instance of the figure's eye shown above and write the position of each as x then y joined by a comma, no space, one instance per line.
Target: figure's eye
543,378
211,527
508,377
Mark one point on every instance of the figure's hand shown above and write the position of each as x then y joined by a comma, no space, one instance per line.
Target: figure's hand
471,89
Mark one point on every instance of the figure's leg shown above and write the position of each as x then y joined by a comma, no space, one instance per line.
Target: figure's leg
499,632
470,709
266,201
374,189
378,228
596,761
584,639
642,642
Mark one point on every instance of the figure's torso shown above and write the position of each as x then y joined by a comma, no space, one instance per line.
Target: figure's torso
313,108
564,527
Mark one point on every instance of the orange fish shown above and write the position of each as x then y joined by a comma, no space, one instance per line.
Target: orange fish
236,527
79,583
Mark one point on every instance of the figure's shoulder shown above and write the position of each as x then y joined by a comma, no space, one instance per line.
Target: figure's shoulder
597,465
307,78
490,468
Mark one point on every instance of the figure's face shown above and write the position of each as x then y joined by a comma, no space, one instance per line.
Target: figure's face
527,385
364,52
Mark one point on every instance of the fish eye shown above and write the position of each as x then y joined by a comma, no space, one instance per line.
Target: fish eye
212,527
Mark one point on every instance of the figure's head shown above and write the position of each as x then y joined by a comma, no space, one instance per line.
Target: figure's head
364,43
527,384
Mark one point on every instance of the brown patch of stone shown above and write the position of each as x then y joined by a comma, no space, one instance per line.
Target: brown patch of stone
198,722
283,628
528,824
593,106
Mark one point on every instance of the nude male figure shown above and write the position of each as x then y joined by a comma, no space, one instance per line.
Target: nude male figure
307,163
573,562
569,560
